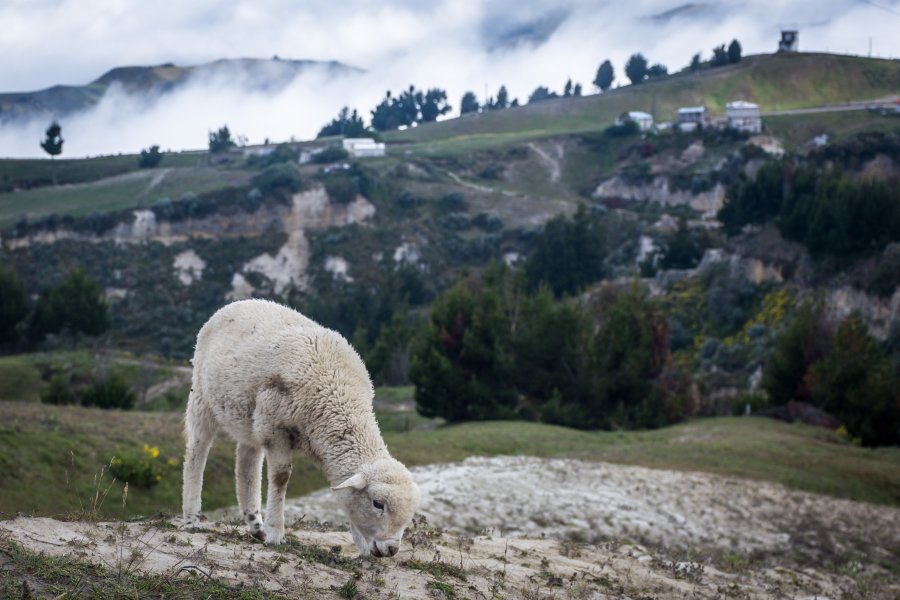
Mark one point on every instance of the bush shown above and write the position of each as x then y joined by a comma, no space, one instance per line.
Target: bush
150,157
281,176
329,155
111,392
141,469
59,392
452,202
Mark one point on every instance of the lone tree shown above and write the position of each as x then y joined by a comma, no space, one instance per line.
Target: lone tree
468,104
220,141
53,143
605,76
636,68
696,63
734,51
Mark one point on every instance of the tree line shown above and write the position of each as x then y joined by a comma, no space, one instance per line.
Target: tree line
74,308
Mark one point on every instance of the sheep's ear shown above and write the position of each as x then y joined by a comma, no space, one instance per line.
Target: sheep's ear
357,481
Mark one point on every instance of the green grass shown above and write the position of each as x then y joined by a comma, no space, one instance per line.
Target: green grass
133,189
798,130
64,448
776,82
29,172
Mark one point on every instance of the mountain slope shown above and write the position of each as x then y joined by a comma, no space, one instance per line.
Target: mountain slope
149,81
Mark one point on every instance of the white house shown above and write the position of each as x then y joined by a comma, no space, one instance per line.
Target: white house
644,120
690,117
743,116
363,147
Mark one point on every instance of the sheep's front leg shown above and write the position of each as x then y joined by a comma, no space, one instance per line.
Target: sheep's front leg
278,465
248,475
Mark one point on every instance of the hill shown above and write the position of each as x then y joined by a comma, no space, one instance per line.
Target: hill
149,82
774,81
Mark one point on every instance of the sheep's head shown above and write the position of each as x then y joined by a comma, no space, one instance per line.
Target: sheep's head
380,500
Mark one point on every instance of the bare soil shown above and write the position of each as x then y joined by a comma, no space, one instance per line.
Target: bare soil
519,527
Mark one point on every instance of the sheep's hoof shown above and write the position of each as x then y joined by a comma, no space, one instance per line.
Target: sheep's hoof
273,539
259,534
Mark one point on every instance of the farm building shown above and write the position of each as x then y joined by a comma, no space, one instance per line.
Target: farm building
790,41
363,147
743,116
691,117
644,120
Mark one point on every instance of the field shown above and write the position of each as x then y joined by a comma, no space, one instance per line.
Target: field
131,189
66,447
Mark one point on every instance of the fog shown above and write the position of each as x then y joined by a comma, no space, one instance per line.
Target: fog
474,45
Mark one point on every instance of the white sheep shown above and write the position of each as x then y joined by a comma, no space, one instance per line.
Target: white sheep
277,381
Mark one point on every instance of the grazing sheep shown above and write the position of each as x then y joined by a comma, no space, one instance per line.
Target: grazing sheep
276,382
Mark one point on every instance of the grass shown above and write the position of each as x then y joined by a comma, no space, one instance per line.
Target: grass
798,130
776,82
31,172
65,447
133,189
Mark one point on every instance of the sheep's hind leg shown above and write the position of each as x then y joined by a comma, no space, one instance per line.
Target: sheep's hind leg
200,429
278,466
248,475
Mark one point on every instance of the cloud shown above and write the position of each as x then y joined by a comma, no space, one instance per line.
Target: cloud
476,45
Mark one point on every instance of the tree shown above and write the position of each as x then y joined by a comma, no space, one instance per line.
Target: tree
631,352
13,305
696,63
433,105
567,89
657,70
150,157
605,76
468,104
220,141
502,101
53,141
577,90
857,383
720,56
567,254
636,68
76,306
734,52
805,341
346,124
541,94
683,250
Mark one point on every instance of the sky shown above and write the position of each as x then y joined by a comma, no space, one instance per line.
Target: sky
457,45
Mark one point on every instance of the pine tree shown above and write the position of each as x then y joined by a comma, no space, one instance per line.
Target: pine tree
605,76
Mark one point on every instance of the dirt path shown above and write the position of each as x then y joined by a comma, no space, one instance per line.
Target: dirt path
552,163
432,564
479,188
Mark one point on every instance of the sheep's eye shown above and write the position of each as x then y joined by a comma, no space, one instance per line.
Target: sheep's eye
378,505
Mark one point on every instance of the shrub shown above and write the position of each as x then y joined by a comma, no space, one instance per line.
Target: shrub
280,176
111,392
452,202
329,155
141,469
59,392
150,157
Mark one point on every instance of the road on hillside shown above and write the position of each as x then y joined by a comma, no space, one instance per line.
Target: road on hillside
857,105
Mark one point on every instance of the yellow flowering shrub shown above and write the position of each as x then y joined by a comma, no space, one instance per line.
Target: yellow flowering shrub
141,468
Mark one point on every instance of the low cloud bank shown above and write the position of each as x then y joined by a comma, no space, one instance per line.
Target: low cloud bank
475,46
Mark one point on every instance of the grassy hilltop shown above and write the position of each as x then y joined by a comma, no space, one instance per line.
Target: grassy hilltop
774,81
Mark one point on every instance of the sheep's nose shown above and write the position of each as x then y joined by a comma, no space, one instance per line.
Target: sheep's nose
392,550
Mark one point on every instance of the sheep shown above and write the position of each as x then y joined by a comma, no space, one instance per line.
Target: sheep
276,381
